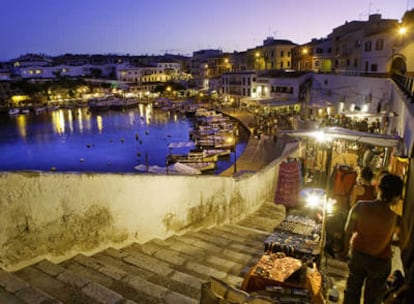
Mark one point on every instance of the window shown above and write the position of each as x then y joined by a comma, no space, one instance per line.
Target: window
281,54
355,62
368,46
347,62
379,44
374,67
357,43
281,64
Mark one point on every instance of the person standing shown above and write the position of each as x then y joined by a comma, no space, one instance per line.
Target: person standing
369,231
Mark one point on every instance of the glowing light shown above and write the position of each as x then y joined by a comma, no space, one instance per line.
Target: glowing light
70,121
58,121
402,30
321,136
22,125
80,121
313,200
99,123
16,99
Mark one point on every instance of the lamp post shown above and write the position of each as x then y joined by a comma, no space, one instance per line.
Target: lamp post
236,135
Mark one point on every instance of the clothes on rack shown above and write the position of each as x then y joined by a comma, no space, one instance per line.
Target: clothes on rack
289,183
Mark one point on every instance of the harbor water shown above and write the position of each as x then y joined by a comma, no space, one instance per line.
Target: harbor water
78,140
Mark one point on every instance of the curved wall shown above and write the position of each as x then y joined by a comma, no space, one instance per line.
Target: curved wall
55,215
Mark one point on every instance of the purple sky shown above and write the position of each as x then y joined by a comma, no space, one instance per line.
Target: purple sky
140,27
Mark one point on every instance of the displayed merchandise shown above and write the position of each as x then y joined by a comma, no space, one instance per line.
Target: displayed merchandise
297,236
293,244
300,225
277,266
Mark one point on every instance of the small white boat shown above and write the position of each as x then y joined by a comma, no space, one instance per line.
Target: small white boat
218,152
202,166
38,110
175,169
14,111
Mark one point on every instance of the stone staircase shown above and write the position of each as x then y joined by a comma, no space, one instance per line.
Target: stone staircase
159,271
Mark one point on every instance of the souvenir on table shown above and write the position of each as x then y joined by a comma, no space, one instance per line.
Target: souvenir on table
300,225
293,244
277,266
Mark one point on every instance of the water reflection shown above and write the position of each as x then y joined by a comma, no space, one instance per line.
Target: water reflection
58,121
80,120
99,123
70,121
21,126
80,140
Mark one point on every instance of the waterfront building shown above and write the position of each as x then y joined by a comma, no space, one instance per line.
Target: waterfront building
277,54
313,56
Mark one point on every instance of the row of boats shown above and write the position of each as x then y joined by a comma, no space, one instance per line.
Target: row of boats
214,136
33,109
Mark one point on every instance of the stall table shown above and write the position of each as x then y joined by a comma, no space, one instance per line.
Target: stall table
285,279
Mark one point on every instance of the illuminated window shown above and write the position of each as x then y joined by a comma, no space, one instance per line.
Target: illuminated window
31,72
38,72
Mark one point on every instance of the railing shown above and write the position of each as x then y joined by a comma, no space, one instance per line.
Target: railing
406,84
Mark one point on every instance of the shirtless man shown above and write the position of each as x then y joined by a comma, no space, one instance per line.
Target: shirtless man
369,232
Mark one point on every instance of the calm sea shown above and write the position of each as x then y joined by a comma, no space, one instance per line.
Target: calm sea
78,140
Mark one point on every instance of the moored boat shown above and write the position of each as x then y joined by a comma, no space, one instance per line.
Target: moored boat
14,111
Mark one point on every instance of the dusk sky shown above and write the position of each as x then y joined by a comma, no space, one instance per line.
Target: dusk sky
140,27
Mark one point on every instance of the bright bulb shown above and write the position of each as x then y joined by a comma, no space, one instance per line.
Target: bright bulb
313,200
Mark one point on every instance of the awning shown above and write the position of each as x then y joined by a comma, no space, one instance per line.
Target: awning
331,133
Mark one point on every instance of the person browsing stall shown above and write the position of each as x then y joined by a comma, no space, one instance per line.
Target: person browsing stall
369,231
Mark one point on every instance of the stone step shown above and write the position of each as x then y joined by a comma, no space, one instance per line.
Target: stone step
157,272
69,286
16,290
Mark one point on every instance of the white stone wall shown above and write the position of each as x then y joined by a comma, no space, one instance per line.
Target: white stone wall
57,215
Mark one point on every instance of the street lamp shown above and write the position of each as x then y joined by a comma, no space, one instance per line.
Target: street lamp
236,135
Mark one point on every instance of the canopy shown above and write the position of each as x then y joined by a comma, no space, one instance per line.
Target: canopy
342,133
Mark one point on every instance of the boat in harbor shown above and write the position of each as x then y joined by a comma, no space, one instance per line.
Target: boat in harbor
174,169
191,157
14,111
202,166
218,152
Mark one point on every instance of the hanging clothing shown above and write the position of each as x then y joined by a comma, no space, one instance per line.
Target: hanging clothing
343,179
289,183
